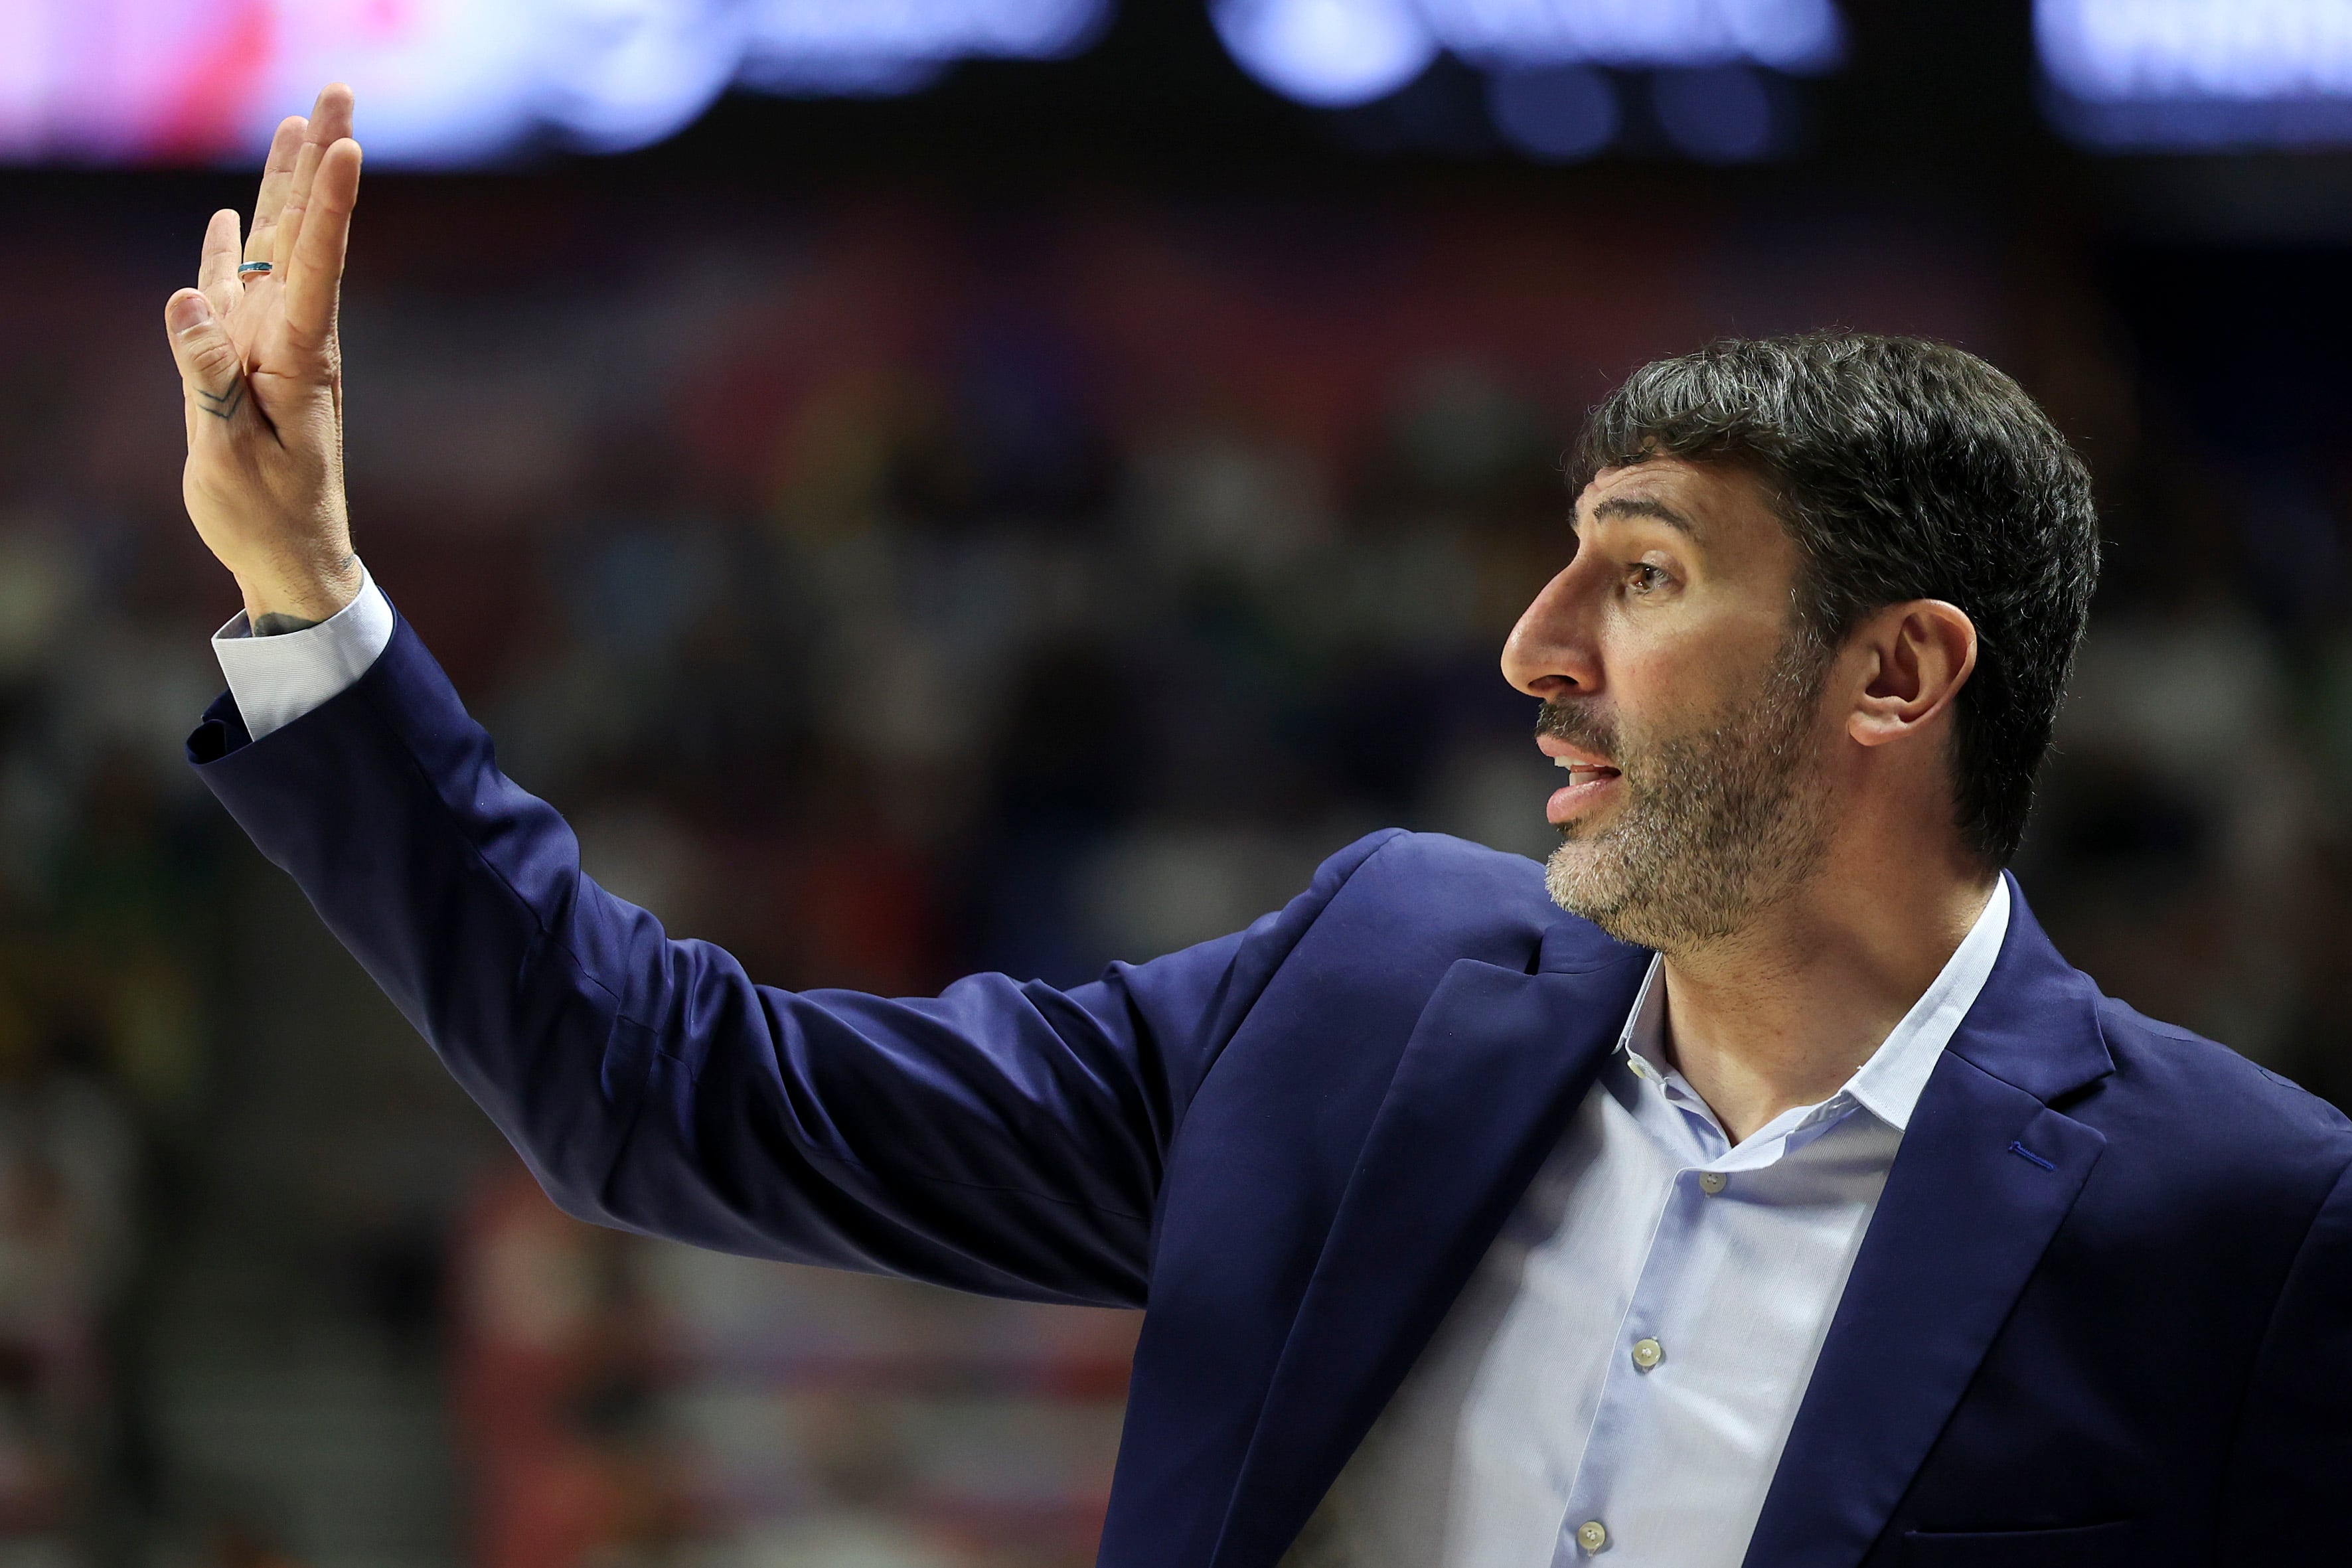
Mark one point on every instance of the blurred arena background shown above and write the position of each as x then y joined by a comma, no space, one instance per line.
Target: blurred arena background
1005,483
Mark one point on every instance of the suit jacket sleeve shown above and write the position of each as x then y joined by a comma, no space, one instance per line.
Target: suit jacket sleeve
2292,1458
1003,1137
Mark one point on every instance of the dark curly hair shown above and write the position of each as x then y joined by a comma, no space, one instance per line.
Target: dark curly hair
1904,469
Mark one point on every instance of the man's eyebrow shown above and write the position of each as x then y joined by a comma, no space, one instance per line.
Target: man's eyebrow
1646,506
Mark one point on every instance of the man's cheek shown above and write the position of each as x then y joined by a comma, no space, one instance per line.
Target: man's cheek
1662,693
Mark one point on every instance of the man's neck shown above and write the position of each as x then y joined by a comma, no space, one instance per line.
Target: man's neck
1783,1014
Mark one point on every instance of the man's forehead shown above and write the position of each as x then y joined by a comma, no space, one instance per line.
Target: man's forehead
1686,495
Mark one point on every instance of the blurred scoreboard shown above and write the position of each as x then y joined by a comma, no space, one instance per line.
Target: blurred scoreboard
453,83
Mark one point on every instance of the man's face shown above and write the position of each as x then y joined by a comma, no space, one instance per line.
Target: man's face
1684,701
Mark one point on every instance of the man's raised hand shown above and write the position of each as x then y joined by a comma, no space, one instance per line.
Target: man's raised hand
261,376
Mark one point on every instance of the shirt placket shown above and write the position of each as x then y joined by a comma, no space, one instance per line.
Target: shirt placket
1642,1352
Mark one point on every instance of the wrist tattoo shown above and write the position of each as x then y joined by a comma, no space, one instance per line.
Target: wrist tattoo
276,623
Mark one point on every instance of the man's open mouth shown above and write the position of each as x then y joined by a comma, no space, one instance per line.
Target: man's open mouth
1589,784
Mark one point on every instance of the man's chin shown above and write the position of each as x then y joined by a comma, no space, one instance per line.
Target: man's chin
1590,880
1579,881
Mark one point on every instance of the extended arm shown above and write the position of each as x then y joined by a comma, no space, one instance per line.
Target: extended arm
1003,1137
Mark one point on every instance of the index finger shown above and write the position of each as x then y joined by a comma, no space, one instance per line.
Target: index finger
276,180
216,276
314,275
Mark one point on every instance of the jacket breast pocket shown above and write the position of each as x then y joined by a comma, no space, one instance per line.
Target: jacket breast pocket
2104,1545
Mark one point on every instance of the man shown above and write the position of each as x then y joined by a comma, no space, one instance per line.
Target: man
1756,1184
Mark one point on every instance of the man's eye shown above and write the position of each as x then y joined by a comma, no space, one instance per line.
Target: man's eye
1642,577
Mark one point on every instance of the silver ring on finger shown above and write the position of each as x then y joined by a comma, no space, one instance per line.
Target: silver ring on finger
254,270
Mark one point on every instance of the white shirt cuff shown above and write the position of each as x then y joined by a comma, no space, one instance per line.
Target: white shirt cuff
276,679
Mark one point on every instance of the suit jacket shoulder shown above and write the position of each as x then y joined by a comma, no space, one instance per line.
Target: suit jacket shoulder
1425,900
2225,1132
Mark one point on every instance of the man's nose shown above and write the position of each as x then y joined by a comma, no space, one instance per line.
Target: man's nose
1550,653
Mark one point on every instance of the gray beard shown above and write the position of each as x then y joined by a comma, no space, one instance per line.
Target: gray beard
1718,825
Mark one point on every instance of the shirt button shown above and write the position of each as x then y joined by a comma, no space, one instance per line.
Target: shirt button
1713,1181
1592,1535
1648,1353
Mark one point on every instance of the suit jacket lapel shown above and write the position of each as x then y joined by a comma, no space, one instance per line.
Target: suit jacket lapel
1986,1174
1494,1068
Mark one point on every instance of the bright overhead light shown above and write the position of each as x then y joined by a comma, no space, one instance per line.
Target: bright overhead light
1329,53
2114,50
1797,36
2189,74
1333,53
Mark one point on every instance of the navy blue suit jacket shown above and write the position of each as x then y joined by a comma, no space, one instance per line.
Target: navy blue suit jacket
2104,1314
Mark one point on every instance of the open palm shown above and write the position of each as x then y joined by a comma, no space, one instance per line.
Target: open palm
261,374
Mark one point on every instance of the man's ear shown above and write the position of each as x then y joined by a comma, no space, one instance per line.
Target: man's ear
1917,655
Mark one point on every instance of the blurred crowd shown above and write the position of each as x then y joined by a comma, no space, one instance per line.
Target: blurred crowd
895,588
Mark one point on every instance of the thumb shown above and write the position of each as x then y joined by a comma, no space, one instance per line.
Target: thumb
212,374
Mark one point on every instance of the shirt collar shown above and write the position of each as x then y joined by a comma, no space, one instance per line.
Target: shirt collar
1889,1084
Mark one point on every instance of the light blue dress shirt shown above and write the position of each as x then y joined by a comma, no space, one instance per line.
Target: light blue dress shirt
1615,1384
276,679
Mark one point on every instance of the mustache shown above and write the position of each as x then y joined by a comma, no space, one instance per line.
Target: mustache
1579,726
